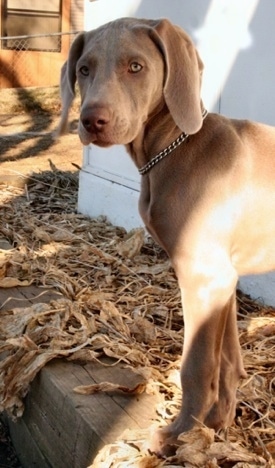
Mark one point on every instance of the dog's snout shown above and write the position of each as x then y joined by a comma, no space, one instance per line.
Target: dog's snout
95,119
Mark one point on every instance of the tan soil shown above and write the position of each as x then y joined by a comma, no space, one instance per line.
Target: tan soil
27,121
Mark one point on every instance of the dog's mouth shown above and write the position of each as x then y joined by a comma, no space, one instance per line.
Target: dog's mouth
103,139
96,140
102,144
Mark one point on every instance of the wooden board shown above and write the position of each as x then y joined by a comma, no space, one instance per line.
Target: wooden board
11,298
63,429
60,428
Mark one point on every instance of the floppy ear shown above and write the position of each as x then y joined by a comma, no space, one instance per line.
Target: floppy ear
67,82
183,70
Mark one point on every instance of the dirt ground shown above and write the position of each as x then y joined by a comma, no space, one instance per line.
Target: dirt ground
26,146
28,119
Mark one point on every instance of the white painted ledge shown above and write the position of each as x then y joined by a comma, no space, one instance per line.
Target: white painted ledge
259,287
109,185
98,196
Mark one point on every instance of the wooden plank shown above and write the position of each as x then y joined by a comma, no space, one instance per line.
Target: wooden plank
65,429
60,428
123,376
30,456
11,298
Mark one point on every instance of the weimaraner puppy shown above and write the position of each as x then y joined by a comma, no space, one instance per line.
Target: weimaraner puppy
207,190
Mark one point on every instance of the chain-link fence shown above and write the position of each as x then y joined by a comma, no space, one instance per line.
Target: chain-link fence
33,60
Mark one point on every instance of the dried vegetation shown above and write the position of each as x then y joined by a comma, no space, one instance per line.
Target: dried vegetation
118,298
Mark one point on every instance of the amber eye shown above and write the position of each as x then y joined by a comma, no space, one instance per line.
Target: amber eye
135,67
84,70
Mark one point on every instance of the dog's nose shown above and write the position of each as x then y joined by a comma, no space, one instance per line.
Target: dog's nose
96,119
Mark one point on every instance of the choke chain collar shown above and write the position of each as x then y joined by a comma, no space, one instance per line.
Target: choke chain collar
166,151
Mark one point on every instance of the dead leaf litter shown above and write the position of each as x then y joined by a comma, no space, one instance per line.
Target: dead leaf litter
118,298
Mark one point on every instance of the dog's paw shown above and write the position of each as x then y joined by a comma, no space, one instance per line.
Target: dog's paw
164,441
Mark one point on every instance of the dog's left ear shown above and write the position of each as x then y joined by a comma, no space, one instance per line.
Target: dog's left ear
183,70
67,82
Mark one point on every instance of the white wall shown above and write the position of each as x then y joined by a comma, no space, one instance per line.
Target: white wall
235,40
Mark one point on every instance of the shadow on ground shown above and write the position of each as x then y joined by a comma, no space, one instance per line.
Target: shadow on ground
28,118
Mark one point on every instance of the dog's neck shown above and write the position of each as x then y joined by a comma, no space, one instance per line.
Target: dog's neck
159,130
158,138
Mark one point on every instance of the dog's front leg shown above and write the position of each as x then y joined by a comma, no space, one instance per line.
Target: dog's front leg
223,411
207,300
